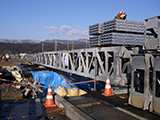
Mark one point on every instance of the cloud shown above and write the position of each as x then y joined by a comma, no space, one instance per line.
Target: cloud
73,32
70,32
84,33
51,30
77,32
65,29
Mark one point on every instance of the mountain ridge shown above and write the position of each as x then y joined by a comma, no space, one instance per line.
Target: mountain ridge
16,41
30,46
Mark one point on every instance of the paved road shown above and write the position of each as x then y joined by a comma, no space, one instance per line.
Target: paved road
117,104
27,109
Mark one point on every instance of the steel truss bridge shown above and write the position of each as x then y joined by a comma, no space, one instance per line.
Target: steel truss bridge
94,63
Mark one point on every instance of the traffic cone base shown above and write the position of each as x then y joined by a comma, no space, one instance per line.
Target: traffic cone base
107,91
107,95
48,106
49,99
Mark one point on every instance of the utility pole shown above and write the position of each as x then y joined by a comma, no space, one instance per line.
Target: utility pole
42,47
73,43
86,43
56,45
68,46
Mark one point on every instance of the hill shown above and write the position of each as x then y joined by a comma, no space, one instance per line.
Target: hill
18,41
30,46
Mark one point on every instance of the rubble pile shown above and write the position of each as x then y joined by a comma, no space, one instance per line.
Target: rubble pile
11,77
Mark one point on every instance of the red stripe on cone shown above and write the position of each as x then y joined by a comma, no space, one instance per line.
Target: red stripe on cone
108,90
49,99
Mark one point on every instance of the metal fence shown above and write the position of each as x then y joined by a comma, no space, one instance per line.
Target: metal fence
115,38
124,26
117,32
96,29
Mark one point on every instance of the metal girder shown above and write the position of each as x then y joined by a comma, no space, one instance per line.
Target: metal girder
94,63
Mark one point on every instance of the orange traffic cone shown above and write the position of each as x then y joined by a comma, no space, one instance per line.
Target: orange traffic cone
49,100
108,91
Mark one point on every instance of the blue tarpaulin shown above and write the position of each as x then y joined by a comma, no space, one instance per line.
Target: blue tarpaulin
47,78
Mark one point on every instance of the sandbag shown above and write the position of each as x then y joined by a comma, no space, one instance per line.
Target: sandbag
73,92
82,92
61,91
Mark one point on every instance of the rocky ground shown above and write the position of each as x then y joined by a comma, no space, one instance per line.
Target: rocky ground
10,90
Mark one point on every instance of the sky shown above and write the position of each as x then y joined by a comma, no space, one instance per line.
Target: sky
66,19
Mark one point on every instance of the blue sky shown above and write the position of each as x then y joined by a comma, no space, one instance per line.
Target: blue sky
66,19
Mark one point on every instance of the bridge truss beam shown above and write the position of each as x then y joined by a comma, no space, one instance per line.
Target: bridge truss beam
94,63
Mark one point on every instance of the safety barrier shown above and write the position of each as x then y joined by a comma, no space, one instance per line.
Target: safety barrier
22,83
9,85
15,82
